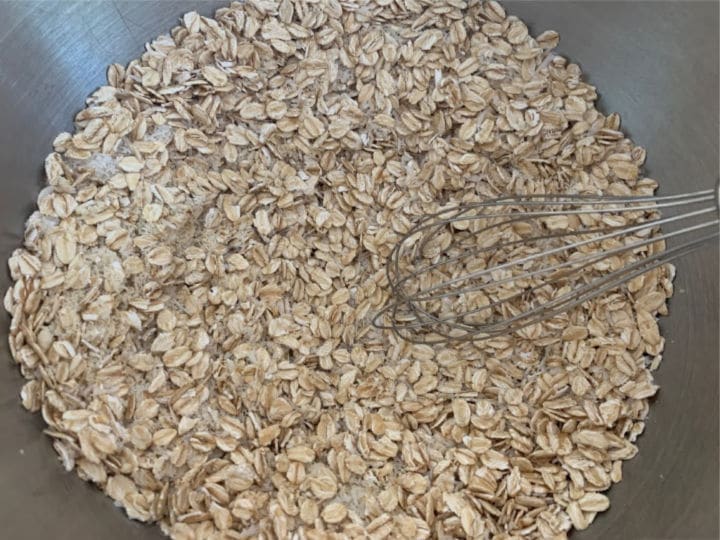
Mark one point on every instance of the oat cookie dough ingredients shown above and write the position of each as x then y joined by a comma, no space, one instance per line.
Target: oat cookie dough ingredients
192,303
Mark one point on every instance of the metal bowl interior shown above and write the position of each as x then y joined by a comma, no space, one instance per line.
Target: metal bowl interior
656,63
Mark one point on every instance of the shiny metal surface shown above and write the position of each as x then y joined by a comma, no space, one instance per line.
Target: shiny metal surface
654,62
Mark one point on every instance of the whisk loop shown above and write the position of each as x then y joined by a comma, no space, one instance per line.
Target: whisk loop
487,269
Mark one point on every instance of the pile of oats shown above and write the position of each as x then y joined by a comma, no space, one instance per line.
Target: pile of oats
191,306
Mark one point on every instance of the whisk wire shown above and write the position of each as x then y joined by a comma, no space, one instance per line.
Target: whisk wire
658,202
591,259
556,306
414,312
617,231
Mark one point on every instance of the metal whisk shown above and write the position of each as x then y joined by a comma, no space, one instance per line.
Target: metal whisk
486,269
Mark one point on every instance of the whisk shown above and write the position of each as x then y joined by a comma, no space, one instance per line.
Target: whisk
481,270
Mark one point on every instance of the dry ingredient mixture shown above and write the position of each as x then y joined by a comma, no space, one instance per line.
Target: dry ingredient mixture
191,306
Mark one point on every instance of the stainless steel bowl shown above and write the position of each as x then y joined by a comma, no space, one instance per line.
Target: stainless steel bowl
654,62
